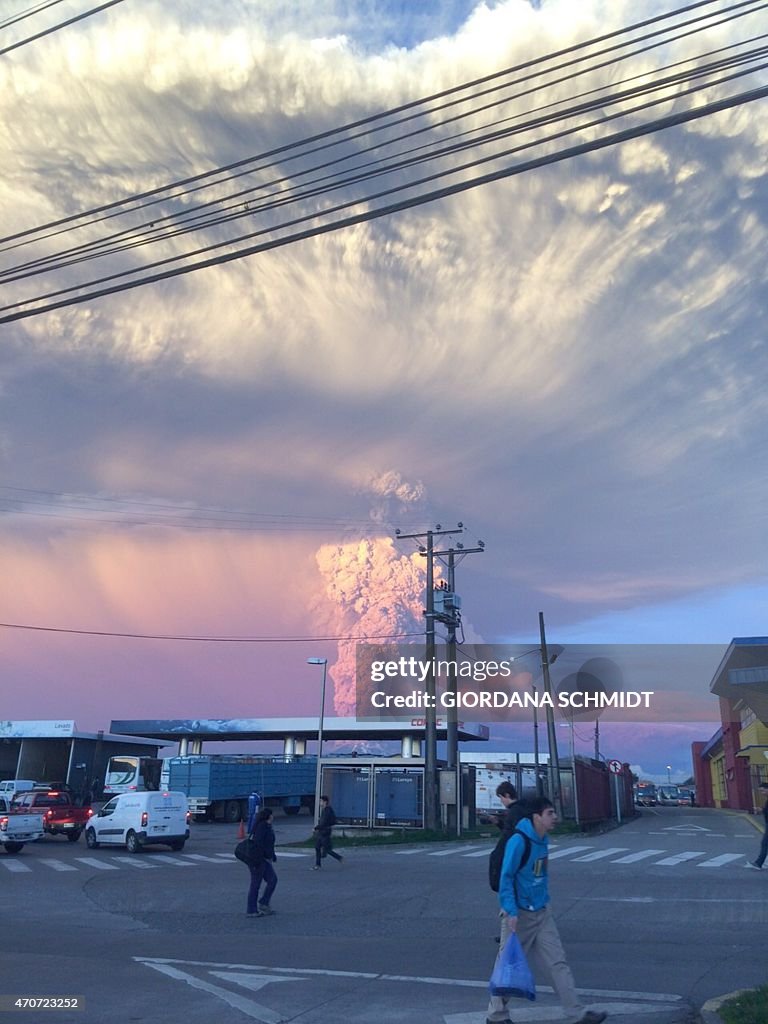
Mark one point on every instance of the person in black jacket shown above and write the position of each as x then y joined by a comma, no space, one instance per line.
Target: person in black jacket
327,820
262,870
513,811
760,859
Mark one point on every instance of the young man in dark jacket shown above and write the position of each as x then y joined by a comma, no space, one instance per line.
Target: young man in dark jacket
513,811
524,902
326,821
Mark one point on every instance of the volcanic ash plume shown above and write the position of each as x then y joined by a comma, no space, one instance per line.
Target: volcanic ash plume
374,591
394,496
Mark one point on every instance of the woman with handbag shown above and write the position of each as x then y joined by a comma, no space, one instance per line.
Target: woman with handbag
261,867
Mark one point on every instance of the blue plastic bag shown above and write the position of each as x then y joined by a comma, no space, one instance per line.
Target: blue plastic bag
511,973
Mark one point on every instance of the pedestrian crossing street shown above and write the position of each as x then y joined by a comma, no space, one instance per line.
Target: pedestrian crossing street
115,862
588,854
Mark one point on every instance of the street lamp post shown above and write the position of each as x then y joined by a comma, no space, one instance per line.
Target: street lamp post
324,663
669,774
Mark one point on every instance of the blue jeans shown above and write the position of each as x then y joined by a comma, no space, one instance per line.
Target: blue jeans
261,872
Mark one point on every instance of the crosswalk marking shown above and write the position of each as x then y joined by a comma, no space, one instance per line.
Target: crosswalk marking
717,862
567,850
202,856
447,853
678,858
96,862
599,854
578,854
14,865
57,865
132,862
633,858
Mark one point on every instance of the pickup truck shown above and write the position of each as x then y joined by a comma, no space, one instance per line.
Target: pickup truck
60,816
17,828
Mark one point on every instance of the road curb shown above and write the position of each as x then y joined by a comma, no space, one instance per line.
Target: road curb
753,821
709,1013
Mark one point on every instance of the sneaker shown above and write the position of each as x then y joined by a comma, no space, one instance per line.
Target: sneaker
254,913
316,867
592,1017
756,867
265,910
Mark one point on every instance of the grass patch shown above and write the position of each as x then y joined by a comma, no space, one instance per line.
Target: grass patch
748,1008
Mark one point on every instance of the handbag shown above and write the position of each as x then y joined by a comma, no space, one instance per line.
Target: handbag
511,973
249,852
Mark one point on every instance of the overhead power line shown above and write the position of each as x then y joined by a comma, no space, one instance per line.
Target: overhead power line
206,639
52,28
30,12
119,511
547,110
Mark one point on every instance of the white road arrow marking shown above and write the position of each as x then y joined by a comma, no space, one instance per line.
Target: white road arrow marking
255,1011
686,828
253,982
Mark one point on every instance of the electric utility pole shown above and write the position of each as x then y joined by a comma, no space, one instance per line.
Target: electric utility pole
554,764
431,807
451,617
449,613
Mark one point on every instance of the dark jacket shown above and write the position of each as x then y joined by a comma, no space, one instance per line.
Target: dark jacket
264,837
326,821
510,816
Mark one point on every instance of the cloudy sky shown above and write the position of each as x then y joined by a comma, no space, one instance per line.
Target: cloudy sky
570,361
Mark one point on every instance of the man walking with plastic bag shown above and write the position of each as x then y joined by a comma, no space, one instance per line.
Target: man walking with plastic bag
525,911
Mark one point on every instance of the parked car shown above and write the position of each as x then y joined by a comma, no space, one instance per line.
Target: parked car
136,820
687,796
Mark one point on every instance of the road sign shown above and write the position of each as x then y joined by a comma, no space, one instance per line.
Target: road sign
615,767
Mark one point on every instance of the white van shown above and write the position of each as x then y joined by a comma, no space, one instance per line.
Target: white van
10,787
135,820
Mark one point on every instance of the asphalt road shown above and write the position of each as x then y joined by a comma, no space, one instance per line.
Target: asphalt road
656,917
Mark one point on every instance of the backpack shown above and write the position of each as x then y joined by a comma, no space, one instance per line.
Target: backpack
496,860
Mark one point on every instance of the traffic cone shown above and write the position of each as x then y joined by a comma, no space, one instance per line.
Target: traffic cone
241,830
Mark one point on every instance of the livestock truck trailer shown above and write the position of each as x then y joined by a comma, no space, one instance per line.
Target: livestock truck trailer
217,786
